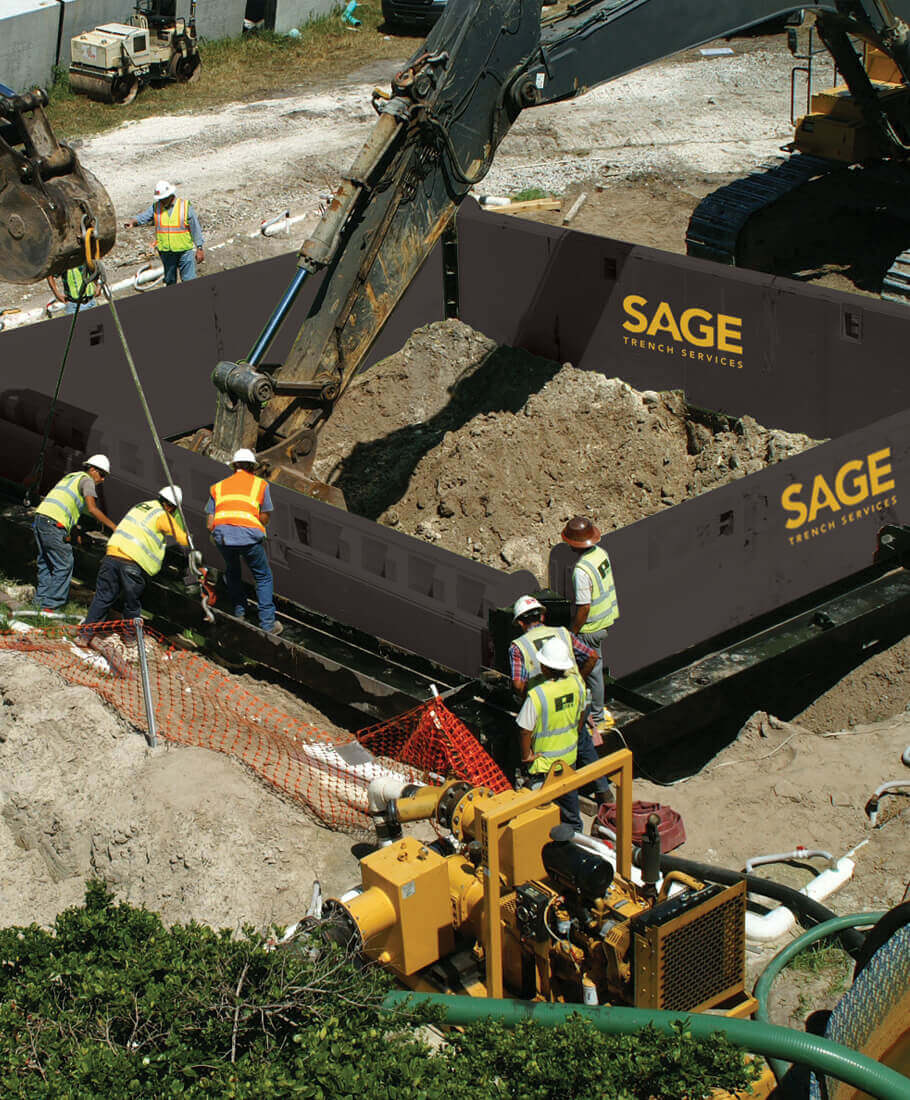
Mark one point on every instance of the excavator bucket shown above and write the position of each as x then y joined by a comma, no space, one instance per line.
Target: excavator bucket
47,199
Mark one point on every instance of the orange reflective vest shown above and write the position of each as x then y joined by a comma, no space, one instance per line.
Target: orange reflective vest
172,227
238,501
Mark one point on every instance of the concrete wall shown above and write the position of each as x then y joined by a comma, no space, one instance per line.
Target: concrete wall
215,18
85,15
28,42
294,13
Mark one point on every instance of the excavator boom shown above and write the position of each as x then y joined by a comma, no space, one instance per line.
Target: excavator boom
47,199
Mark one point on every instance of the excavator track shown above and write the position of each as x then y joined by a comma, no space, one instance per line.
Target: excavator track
717,224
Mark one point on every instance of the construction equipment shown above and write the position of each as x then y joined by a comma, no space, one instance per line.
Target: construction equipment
512,903
482,64
54,214
112,62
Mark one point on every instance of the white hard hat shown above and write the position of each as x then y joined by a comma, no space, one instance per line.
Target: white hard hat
243,455
164,190
554,653
100,462
172,496
525,604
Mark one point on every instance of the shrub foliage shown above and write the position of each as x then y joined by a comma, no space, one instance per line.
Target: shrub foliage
112,1003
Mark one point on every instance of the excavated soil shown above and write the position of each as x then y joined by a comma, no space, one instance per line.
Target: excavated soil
443,440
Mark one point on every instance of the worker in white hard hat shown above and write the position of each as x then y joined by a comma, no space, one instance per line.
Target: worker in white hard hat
135,552
549,720
178,234
75,495
237,514
529,615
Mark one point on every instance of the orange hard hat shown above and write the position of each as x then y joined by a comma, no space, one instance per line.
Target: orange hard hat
581,533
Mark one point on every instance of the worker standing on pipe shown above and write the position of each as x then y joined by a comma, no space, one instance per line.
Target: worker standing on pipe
529,615
73,496
135,552
238,512
177,231
549,720
596,606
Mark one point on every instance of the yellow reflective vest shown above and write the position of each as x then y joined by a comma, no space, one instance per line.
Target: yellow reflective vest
172,227
76,285
529,645
64,503
560,705
137,536
604,605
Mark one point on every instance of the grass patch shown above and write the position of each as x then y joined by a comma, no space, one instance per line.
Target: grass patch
254,66
530,193
820,957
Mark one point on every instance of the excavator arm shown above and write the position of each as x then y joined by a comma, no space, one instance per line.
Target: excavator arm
47,199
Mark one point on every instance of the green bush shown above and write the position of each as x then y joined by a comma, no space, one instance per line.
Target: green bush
110,1003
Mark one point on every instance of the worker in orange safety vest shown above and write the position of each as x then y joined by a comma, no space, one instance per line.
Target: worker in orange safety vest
238,512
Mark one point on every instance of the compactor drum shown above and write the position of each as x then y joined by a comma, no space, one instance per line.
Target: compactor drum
112,62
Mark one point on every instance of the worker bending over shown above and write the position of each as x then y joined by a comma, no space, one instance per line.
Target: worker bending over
549,720
239,510
135,552
177,233
78,289
73,496
529,615
596,606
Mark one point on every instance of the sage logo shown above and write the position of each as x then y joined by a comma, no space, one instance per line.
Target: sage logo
695,333
860,488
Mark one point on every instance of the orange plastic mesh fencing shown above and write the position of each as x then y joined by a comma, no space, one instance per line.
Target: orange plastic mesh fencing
432,739
197,703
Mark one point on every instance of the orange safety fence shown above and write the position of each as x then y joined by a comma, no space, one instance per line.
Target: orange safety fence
197,703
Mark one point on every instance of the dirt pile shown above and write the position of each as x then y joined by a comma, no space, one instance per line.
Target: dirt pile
185,831
442,440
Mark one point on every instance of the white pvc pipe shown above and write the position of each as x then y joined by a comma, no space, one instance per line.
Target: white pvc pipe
771,926
890,786
144,278
782,857
280,224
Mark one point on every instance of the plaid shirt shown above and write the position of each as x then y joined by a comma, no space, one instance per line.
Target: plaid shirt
582,652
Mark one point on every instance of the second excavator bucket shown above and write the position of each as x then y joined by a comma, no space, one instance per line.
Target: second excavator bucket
47,199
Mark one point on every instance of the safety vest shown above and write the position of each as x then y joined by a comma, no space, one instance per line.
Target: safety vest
604,607
529,646
64,503
172,227
76,286
238,501
138,538
560,705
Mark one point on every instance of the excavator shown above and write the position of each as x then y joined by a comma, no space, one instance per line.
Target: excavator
437,131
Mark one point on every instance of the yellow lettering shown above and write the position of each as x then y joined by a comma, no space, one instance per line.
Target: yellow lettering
664,321
792,505
822,497
860,484
704,336
729,329
630,304
877,471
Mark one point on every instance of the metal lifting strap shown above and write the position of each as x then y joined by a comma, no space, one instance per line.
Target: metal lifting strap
194,557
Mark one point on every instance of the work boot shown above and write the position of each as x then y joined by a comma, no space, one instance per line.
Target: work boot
275,628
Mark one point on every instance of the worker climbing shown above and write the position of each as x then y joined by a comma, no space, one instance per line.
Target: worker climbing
238,512
596,606
135,552
74,496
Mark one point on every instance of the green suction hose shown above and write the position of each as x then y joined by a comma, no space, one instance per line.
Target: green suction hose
818,1054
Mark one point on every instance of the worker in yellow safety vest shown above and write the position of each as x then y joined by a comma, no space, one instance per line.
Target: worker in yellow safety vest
135,552
549,720
74,496
178,234
596,606
78,289
238,512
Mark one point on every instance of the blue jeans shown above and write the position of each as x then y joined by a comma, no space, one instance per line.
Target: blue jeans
596,679
569,808
55,564
587,754
255,556
117,577
184,262
89,303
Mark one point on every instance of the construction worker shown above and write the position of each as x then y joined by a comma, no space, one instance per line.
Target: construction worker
78,289
238,512
73,496
596,606
177,230
549,720
529,614
135,552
